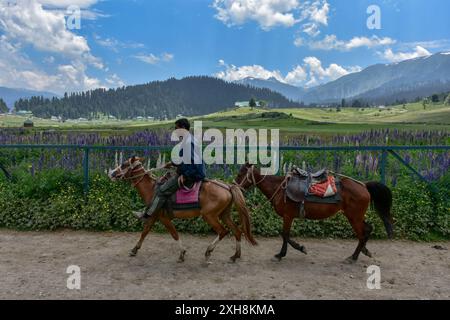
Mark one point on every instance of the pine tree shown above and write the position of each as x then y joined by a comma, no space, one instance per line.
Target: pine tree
447,100
3,107
188,96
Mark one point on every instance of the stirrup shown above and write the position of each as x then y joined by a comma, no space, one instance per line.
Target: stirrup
141,216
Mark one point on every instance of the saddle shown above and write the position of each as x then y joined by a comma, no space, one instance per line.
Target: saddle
185,198
317,187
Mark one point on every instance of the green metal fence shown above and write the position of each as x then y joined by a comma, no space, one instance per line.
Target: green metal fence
383,156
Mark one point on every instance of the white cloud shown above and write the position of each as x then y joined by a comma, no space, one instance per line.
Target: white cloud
439,45
114,44
268,13
392,56
40,25
299,41
297,76
29,23
18,71
319,73
49,60
67,3
115,81
316,11
272,13
153,59
309,74
166,57
331,42
311,29
233,73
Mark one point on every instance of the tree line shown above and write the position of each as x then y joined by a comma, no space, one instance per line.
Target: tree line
189,96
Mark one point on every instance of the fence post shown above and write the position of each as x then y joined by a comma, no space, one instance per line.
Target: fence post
384,155
86,169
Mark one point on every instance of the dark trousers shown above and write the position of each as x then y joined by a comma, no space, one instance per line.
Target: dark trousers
164,192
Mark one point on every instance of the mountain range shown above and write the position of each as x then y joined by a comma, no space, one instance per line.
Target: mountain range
380,83
11,95
197,95
291,92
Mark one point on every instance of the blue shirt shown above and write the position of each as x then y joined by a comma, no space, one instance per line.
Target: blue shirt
192,170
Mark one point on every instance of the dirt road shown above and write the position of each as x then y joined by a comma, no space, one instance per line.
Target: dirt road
33,265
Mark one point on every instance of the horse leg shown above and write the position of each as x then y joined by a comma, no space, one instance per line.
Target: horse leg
221,233
171,228
147,227
287,223
362,230
296,246
226,218
368,230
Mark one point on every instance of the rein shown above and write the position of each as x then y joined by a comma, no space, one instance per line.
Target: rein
250,172
135,167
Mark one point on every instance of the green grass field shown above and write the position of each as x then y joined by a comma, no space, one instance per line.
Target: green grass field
289,121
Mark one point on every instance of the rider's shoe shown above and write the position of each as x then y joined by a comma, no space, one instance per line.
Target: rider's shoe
141,215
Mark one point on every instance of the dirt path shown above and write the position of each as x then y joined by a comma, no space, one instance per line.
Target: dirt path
33,266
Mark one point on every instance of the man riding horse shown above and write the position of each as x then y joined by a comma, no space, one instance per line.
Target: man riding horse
188,173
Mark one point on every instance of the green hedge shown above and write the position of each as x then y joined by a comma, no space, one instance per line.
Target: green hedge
54,199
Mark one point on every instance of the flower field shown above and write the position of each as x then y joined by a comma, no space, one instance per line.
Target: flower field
46,190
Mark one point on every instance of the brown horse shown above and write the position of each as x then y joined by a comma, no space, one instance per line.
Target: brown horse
216,202
356,197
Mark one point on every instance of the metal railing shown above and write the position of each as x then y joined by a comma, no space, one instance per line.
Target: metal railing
385,152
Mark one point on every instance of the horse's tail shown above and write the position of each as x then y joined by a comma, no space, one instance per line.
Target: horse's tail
381,198
244,214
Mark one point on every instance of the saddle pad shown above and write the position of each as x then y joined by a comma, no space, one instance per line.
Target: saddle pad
185,195
185,199
296,192
329,200
324,189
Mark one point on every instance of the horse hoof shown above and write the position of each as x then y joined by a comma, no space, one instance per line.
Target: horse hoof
132,253
207,264
181,257
233,259
367,253
303,249
349,260
276,258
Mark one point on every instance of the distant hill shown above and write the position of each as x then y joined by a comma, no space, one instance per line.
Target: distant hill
188,96
11,95
387,83
291,92
377,84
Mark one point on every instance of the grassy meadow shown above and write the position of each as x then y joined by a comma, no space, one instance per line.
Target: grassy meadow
290,121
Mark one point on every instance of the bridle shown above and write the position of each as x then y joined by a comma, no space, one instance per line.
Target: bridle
250,177
136,166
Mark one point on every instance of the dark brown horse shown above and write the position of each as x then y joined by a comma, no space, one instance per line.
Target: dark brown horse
216,202
356,198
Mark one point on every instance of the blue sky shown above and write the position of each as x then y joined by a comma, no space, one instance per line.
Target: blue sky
121,42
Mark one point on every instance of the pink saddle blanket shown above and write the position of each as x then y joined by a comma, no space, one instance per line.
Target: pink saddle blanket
185,195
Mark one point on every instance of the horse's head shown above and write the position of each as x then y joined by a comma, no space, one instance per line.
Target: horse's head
246,176
126,169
